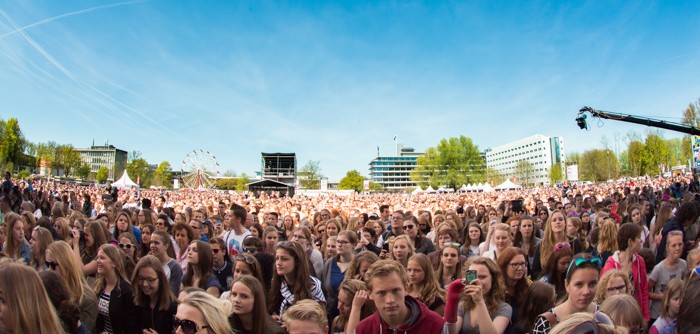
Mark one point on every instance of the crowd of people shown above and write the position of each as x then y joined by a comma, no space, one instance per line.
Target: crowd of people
617,257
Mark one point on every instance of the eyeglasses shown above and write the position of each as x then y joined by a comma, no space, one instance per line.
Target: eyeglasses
127,246
215,250
247,259
453,244
408,227
618,289
560,246
342,242
150,280
52,265
591,326
518,265
188,326
249,249
596,261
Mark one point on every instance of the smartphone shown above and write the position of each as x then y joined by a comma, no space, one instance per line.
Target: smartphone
386,247
470,276
517,205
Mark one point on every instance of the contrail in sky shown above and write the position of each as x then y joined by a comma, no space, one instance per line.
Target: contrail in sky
78,12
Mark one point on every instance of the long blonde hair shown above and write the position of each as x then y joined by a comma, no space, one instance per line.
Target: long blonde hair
24,294
71,269
44,238
549,239
215,311
11,249
430,289
115,255
607,238
497,293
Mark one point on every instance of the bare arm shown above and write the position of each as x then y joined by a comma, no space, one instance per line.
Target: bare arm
358,301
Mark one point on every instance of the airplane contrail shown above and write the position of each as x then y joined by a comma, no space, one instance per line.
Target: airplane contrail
77,12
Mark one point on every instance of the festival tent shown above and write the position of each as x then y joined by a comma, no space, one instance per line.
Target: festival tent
488,188
508,185
125,182
418,190
430,190
470,187
479,187
463,188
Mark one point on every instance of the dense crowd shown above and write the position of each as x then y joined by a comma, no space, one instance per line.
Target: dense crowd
617,257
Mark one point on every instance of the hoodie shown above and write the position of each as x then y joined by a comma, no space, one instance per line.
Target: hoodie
640,281
421,321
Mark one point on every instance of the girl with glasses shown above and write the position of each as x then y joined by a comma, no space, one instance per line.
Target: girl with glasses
421,243
613,282
423,284
335,268
629,239
580,284
61,259
155,303
513,265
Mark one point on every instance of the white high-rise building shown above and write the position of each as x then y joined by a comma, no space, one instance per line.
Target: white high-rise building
541,151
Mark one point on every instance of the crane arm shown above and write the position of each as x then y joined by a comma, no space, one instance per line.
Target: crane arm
581,121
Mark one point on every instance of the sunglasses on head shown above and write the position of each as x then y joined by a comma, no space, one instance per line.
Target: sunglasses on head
561,246
246,259
188,326
454,244
596,261
51,265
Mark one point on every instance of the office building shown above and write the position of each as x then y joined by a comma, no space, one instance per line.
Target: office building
104,156
394,172
540,151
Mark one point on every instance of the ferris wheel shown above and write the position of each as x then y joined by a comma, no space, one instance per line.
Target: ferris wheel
199,170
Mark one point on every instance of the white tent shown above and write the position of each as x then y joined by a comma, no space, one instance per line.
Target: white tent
463,188
430,190
124,182
470,187
487,188
479,187
418,190
508,185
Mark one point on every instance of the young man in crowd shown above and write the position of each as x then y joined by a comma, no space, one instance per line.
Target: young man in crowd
396,310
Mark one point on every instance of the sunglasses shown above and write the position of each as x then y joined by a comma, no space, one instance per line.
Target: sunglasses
560,246
453,244
52,265
249,249
408,227
246,259
596,261
188,326
127,246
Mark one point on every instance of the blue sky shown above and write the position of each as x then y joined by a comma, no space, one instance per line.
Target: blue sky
332,81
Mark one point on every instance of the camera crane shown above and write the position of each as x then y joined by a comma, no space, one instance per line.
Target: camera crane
581,121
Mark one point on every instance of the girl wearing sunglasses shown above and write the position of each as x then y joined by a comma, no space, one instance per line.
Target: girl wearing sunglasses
200,313
581,281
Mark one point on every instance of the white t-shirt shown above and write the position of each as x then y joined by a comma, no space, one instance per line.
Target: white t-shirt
234,242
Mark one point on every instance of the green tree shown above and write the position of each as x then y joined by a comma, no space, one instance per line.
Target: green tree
163,175
572,158
102,173
455,161
691,114
525,171
598,165
12,143
555,174
655,154
352,180
138,169
233,183
310,175
83,171
635,151
133,155
374,186
69,158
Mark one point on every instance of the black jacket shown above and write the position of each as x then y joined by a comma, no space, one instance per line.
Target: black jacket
161,321
121,310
